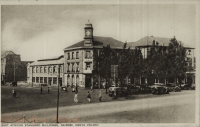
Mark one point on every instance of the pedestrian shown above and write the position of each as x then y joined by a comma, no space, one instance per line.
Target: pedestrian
48,90
41,90
76,97
88,97
76,88
100,96
73,89
14,93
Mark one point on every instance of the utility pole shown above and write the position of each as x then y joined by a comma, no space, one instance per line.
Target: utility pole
14,71
58,92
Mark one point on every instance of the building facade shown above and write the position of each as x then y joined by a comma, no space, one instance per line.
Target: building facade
79,58
189,64
46,71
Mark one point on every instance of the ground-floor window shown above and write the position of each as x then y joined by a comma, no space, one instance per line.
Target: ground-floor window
37,79
55,80
45,79
41,79
33,79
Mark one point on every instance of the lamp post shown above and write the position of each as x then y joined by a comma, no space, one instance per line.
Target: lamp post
58,92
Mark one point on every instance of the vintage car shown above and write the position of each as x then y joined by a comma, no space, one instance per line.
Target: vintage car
117,91
159,88
185,86
173,87
133,89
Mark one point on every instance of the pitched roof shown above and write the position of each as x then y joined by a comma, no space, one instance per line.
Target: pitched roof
7,53
100,41
54,58
48,62
148,40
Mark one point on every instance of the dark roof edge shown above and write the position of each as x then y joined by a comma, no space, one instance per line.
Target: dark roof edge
62,56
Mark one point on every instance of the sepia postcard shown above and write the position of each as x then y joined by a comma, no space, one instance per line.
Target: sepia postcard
100,63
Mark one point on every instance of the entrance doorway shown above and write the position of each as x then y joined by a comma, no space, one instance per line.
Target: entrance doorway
88,81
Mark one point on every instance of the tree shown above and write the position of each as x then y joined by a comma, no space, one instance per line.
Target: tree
125,63
176,56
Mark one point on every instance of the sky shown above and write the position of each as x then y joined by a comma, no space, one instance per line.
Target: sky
43,31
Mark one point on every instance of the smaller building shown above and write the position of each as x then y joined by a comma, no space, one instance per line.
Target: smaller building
48,71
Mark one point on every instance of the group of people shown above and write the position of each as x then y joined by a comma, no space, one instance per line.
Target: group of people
88,97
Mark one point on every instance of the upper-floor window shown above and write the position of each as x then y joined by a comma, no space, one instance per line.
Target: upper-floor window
88,54
45,69
60,69
73,55
33,69
38,70
189,52
73,69
77,55
68,56
88,66
54,69
41,69
77,67
50,69
68,66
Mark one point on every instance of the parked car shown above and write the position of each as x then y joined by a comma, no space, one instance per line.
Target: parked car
173,87
14,84
185,86
119,91
159,88
145,88
133,89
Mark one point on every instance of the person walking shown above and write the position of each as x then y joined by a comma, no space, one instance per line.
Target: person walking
88,97
14,94
100,96
76,88
76,97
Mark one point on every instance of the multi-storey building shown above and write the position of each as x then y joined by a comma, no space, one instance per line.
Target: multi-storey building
49,71
79,58
148,43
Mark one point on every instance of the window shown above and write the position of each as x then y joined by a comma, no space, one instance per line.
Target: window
45,69
41,79
33,79
50,69
68,65
68,80
38,69
45,79
68,56
88,66
61,69
87,54
73,67
54,80
77,67
37,79
54,69
41,69
77,55
189,52
73,55
33,69
77,80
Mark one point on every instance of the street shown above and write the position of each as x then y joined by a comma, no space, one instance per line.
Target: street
177,108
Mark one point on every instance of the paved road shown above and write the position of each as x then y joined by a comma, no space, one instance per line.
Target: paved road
175,109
